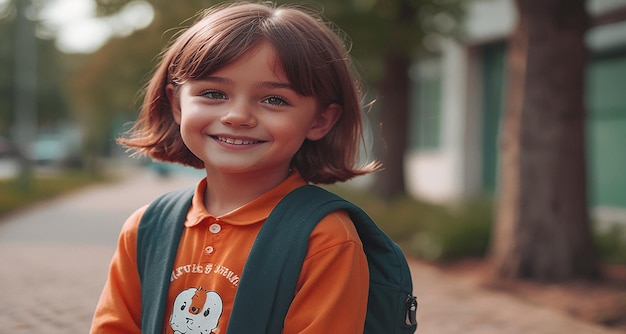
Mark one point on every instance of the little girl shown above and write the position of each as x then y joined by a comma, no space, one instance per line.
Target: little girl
264,100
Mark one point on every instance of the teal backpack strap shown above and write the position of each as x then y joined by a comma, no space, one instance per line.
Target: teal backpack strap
271,272
158,236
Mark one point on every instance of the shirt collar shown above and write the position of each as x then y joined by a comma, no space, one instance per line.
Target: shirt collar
253,212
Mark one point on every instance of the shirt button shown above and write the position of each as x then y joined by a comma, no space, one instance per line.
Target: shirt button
208,250
215,228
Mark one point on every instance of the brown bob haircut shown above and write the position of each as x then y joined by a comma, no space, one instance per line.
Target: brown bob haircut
313,58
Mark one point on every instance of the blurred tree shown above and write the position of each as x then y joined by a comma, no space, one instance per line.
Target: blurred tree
542,226
388,35
29,87
51,103
105,85
7,55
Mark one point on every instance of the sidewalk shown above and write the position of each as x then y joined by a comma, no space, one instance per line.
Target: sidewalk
54,259
453,305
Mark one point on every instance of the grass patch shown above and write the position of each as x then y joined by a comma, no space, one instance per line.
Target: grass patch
428,231
448,233
44,187
611,244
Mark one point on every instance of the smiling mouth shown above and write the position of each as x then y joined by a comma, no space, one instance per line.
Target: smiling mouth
236,141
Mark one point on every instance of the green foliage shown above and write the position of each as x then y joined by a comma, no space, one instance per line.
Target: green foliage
467,231
7,81
106,86
447,233
44,187
430,231
376,28
611,244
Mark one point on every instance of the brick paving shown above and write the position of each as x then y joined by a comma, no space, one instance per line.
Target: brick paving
54,258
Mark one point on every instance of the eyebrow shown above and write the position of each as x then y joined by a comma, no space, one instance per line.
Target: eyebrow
264,84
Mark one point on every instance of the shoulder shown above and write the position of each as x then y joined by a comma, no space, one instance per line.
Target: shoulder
334,229
131,225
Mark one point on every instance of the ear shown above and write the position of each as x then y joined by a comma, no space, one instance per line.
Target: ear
324,122
172,96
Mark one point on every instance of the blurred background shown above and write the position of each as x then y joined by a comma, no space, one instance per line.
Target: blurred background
501,123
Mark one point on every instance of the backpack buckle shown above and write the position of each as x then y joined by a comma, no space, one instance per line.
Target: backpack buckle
411,310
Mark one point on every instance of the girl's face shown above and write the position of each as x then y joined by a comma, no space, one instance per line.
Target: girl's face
246,118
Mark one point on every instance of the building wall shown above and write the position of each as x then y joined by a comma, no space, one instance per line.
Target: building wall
437,170
452,169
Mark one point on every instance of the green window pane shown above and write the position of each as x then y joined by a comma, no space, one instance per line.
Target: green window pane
426,106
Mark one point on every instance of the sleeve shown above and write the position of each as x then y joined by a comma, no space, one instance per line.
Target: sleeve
119,307
333,286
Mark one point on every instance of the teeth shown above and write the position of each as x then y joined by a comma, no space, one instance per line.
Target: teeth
236,141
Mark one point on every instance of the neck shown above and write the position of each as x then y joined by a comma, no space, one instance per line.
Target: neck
227,192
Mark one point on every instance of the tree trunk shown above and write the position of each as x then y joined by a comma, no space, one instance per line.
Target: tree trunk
542,228
393,116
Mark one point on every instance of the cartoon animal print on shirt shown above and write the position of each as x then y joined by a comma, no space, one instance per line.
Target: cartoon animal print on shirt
196,311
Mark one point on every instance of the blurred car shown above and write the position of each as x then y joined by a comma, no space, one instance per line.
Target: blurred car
50,149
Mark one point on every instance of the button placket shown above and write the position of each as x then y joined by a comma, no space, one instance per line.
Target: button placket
211,236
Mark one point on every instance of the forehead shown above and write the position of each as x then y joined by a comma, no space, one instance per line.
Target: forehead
262,60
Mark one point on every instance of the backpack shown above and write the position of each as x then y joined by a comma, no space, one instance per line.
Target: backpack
262,301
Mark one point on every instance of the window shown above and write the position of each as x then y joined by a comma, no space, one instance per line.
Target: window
425,118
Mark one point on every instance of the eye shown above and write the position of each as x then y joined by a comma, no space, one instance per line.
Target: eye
214,95
276,101
182,308
206,313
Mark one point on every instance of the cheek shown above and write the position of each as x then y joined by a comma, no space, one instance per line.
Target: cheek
293,136
296,130
296,124
193,118
192,125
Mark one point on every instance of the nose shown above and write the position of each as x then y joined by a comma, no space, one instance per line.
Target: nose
240,115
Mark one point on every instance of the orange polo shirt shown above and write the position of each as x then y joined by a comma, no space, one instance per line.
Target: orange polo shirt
331,294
